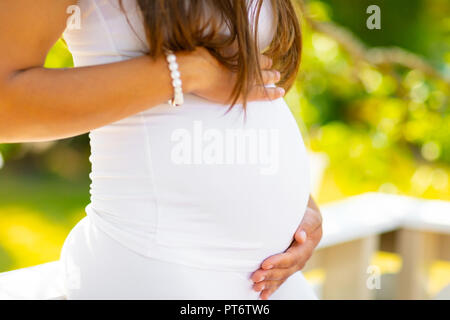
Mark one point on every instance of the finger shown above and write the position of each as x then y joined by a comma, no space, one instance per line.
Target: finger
273,274
282,260
258,276
279,274
260,93
312,220
264,285
265,62
300,236
270,76
258,287
302,253
315,236
265,294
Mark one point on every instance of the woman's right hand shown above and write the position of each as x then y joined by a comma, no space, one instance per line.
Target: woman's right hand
214,82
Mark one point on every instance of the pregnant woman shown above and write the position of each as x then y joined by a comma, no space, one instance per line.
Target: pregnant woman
200,177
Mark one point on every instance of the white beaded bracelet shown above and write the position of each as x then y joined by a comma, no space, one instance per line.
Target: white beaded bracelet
178,98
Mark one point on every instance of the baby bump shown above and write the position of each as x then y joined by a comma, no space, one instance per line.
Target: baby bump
223,185
194,177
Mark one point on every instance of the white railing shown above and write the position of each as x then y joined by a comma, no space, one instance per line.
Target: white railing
352,232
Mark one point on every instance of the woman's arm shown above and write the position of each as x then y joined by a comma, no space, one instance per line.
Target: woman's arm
277,268
45,104
39,104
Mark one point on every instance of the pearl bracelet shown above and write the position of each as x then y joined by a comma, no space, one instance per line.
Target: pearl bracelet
178,98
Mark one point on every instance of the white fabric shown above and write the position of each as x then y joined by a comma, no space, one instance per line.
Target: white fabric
97,267
191,186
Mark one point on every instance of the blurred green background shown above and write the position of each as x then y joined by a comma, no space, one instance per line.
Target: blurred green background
375,102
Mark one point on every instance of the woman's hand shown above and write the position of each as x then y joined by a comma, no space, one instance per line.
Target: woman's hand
215,82
276,269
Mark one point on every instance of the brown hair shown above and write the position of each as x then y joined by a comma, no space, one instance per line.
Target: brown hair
180,25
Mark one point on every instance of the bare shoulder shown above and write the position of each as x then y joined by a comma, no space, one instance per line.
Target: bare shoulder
28,29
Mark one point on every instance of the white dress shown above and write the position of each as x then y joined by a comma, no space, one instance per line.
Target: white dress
185,202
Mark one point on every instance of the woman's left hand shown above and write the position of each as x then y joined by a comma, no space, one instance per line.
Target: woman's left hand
277,268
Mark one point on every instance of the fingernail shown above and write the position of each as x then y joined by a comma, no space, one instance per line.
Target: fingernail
281,91
269,267
261,279
278,75
303,235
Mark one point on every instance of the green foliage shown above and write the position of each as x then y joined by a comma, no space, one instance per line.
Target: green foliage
59,56
383,128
